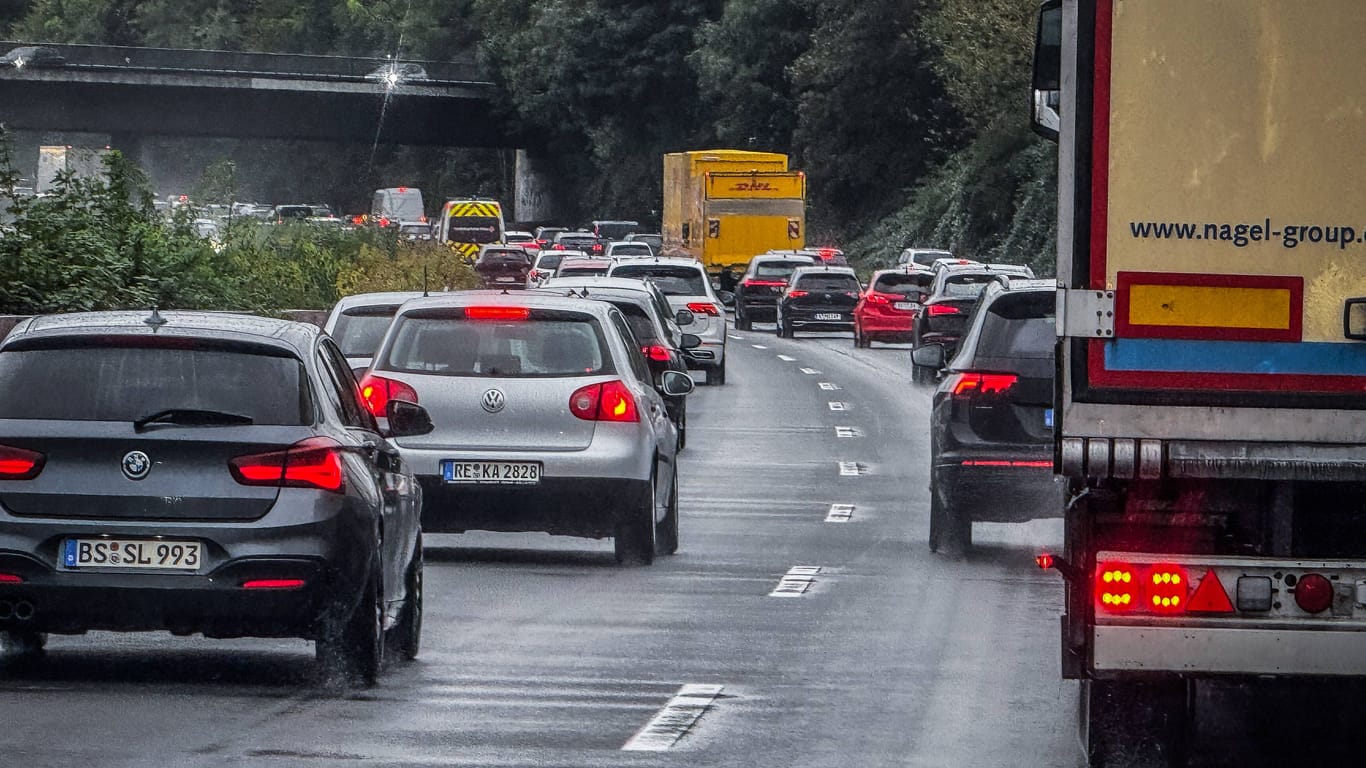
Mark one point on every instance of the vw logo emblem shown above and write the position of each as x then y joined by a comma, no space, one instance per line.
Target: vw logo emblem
136,465
493,400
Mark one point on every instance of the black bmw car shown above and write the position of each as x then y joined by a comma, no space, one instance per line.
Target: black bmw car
203,473
818,299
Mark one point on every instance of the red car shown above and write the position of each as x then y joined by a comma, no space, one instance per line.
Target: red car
886,311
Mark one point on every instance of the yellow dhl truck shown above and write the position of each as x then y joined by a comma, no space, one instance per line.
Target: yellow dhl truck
724,206
1211,372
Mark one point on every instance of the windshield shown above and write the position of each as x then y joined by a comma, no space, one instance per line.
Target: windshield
358,332
778,269
449,346
548,260
672,280
902,285
122,383
967,286
827,283
1020,326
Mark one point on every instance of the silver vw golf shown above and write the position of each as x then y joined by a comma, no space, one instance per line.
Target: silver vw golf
546,419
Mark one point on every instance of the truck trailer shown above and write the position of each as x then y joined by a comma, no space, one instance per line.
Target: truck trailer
725,206
1211,380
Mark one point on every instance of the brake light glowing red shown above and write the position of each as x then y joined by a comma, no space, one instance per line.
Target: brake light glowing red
704,308
656,352
273,584
1313,593
384,221
939,310
753,283
497,313
971,383
1210,596
797,293
608,401
1167,589
312,463
377,391
876,298
20,464
1117,587
11,578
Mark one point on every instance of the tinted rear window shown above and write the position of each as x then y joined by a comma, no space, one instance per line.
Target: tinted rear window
617,230
472,229
359,333
548,260
576,240
641,324
672,280
1019,326
581,271
827,283
632,249
904,285
124,383
560,344
518,257
778,269
967,286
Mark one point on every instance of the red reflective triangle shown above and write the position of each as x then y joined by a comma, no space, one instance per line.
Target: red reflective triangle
1210,596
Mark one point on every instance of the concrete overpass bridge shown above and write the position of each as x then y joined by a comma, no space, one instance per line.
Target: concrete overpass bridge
135,93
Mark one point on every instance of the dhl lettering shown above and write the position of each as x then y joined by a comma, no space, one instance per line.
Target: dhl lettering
752,186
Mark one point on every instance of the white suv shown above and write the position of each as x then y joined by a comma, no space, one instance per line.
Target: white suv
688,286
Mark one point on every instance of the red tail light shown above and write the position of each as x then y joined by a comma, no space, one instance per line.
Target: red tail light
11,578
797,293
377,391
876,298
656,352
384,222
1313,593
937,310
1168,586
497,313
972,383
609,401
704,308
558,247
311,463
1210,596
273,584
597,247
752,283
19,464
1117,587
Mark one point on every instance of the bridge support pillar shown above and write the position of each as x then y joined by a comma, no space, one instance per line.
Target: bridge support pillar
131,145
534,194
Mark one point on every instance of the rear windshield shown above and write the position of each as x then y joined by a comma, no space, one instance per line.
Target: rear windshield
1019,326
581,271
672,280
293,212
548,260
518,257
125,383
904,285
576,240
779,269
616,230
828,283
967,286
641,324
632,249
360,331
472,229
557,344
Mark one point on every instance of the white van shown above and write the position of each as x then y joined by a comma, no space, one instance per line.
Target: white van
397,205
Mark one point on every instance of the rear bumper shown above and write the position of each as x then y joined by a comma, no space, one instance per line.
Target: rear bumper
1227,651
710,355
759,309
581,506
881,326
1002,493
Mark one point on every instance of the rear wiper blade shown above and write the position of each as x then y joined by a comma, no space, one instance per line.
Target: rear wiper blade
190,417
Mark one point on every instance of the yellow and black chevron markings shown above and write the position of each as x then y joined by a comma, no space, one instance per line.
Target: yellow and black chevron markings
474,209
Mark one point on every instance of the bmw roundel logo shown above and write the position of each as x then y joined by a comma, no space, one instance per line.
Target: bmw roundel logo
493,400
136,465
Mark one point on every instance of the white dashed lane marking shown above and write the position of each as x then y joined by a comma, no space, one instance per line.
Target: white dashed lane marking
847,432
733,337
672,722
787,359
840,513
796,581
758,346
828,387
852,469
811,372
838,406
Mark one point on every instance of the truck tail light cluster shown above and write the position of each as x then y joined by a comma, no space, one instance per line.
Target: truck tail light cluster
1162,589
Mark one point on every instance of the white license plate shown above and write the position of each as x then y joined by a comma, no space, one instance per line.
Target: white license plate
909,306
829,316
147,554
505,280
492,472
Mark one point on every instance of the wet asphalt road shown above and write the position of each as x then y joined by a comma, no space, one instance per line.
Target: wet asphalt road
541,651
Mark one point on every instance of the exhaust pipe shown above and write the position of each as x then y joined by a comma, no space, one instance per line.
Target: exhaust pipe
23,610
6,610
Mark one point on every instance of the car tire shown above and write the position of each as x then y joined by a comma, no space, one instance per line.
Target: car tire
666,533
682,425
353,649
950,527
22,643
742,321
1128,723
717,376
634,539
406,636
786,330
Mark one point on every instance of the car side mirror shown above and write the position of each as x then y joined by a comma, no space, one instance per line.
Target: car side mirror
929,356
727,298
676,383
690,341
407,419
684,317
359,372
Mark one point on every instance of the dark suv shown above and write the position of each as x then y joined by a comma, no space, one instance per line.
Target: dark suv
818,299
945,312
503,266
203,472
991,422
757,293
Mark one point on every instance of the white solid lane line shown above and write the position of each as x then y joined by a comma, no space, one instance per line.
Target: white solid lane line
840,513
673,721
796,581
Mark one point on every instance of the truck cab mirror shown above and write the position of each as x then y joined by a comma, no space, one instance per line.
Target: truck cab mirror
1045,115
1354,318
